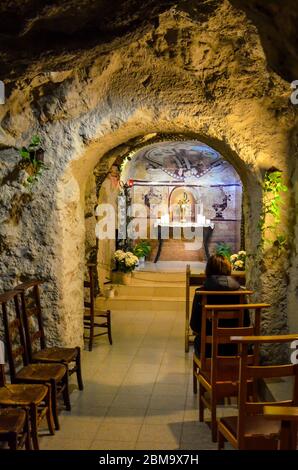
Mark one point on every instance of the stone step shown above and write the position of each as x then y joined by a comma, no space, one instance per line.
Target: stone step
142,303
164,291
155,278
152,276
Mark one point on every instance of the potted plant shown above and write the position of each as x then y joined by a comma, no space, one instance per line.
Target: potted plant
238,261
33,159
126,262
141,250
224,250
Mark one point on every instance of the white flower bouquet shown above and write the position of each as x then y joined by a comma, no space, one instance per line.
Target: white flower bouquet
238,261
126,261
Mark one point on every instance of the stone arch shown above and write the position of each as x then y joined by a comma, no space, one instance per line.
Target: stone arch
75,225
209,81
130,149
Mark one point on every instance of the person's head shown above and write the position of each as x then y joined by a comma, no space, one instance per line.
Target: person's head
218,265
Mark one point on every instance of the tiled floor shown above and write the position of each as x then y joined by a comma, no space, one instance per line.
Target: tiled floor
138,392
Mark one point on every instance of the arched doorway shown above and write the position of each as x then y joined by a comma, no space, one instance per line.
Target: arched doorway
184,182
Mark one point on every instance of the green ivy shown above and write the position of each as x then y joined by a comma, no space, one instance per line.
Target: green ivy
272,201
30,157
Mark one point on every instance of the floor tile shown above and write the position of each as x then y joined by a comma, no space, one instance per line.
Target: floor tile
125,415
138,392
118,432
166,402
128,400
110,445
65,444
161,433
148,445
157,416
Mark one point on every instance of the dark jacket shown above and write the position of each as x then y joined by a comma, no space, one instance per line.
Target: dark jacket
216,283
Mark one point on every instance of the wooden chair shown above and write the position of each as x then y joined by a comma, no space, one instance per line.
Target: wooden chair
218,375
251,430
35,336
91,313
21,371
289,422
196,280
14,428
33,398
239,295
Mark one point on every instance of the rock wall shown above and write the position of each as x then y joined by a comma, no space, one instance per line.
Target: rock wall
205,76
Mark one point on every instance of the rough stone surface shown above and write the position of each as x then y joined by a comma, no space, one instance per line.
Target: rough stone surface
202,73
38,35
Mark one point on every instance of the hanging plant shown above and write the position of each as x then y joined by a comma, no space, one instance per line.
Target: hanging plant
33,160
271,211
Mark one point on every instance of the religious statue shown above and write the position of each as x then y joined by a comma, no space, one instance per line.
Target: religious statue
183,206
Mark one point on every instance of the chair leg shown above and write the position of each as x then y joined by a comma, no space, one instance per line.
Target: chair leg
213,420
201,404
221,440
66,398
13,442
55,404
28,434
194,378
49,413
79,369
91,334
186,346
109,327
34,426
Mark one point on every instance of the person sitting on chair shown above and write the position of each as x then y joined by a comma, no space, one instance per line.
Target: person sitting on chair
218,278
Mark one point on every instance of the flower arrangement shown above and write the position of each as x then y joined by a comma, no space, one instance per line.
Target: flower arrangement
238,261
126,261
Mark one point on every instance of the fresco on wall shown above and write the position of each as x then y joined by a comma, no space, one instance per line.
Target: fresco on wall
164,173
175,161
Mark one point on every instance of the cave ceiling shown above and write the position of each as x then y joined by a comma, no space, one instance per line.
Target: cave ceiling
54,35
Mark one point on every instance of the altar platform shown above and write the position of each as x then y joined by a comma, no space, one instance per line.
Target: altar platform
159,286
172,266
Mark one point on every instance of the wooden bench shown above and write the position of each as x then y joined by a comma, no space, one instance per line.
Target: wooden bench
196,280
218,375
251,429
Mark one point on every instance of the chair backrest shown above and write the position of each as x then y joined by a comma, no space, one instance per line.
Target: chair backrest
221,335
32,315
14,333
90,284
197,279
207,297
255,372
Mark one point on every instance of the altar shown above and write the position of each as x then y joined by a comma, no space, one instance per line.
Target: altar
167,229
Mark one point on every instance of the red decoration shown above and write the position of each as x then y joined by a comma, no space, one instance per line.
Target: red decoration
130,183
